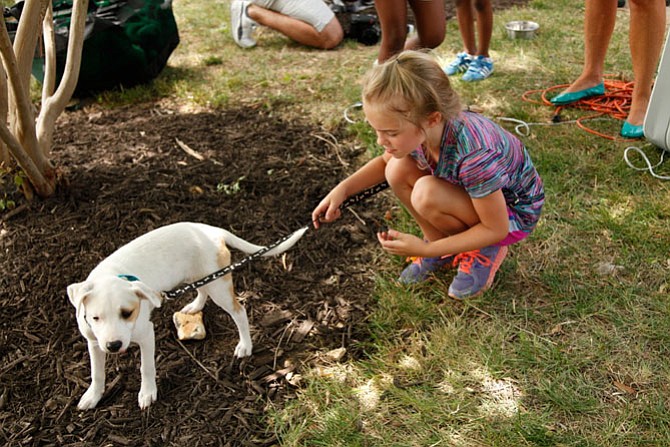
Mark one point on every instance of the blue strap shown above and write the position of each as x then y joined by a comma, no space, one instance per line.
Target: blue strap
130,278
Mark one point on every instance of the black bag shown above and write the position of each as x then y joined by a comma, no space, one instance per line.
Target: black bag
126,42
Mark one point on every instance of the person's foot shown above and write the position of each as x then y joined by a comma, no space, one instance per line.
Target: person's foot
568,97
460,64
422,268
476,271
629,130
241,25
480,68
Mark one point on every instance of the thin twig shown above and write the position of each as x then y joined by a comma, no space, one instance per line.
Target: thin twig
14,212
209,373
184,147
274,361
334,146
193,153
357,216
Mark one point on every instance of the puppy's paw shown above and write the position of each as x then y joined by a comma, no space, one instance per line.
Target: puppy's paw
147,395
243,349
90,399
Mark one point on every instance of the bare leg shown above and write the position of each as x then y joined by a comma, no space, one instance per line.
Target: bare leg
297,30
402,175
466,21
647,28
393,21
599,21
447,207
430,17
439,208
484,26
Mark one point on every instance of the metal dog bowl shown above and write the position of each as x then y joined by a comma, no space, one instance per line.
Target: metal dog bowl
521,29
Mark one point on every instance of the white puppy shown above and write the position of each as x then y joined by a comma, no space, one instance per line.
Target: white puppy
115,302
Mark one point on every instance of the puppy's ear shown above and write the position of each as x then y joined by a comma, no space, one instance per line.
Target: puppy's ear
77,292
147,293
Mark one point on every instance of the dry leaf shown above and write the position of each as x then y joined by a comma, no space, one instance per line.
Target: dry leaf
623,387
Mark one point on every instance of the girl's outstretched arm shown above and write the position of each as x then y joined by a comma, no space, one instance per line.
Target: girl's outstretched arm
369,175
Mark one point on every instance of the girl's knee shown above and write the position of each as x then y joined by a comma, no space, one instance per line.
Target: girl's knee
398,172
422,195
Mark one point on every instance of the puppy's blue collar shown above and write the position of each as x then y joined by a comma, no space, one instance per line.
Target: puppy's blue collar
130,278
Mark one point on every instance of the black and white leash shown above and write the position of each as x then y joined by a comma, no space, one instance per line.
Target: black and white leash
356,198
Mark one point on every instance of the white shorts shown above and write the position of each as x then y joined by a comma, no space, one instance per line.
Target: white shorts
314,12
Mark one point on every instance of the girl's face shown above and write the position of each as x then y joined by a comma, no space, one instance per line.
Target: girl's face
395,134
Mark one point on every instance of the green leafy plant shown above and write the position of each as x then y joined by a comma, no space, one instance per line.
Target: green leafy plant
10,188
230,188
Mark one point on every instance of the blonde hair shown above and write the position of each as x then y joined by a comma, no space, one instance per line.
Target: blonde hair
412,84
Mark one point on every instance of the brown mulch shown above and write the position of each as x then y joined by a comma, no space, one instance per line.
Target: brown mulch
260,178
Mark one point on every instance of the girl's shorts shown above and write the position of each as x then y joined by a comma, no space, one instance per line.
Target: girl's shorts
514,235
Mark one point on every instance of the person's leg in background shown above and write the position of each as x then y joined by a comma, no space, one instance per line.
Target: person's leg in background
431,20
647,29
308,22
484,10
302,32
466,19
599,21
392,16
482,65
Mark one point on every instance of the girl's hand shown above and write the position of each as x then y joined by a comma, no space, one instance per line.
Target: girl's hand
401,244
329,208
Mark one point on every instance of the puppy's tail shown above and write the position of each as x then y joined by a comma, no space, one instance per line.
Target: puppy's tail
247,247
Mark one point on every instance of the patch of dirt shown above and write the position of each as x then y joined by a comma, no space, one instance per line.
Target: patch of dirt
260,179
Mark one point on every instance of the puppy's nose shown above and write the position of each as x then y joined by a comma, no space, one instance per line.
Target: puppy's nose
114,346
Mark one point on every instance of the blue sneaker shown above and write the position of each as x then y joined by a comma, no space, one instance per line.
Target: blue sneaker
459,65
480,68
421,268
476,271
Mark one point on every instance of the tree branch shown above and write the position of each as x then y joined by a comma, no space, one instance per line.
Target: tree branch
49,82
22,118
54,105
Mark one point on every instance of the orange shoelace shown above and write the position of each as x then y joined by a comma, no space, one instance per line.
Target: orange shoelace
466,260
417,259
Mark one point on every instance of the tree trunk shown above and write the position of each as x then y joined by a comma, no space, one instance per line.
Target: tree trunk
27,136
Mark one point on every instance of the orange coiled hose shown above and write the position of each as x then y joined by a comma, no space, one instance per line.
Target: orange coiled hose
614,103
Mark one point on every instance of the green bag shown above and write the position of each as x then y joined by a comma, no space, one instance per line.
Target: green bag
126,42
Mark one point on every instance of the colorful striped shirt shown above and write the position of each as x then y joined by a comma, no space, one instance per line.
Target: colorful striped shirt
482,157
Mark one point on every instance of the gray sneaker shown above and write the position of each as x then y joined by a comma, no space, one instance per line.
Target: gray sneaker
422,268
241,25
476,271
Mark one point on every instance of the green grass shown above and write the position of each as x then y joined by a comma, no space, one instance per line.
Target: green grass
569,348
